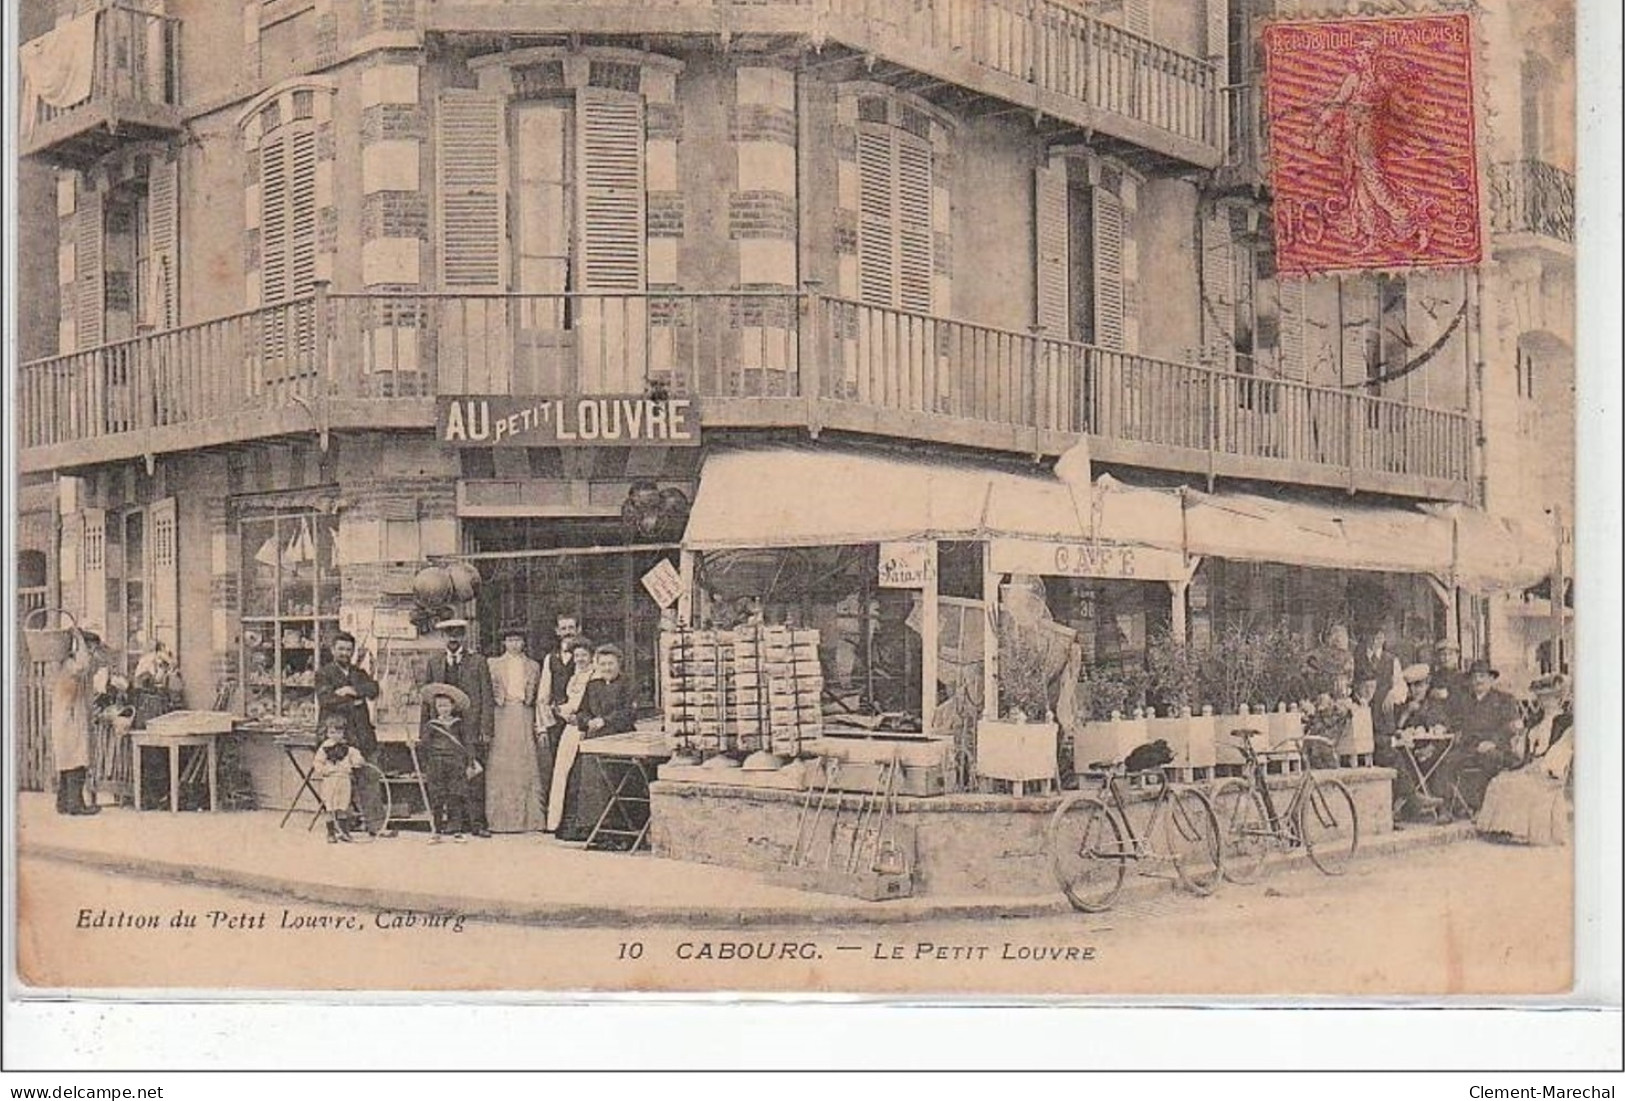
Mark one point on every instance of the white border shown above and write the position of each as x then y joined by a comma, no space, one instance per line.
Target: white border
709,1032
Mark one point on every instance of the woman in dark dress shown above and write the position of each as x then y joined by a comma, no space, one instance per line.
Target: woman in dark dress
607,707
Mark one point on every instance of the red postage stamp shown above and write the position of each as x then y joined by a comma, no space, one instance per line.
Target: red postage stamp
1374,164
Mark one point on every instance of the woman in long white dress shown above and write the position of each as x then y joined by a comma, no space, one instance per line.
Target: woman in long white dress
514,799
1530,805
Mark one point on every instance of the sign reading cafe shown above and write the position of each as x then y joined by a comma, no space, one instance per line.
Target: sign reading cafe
615,420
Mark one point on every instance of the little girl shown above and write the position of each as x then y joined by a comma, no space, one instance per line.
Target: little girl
332,770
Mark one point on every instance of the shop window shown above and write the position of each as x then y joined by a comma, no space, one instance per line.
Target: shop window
290,605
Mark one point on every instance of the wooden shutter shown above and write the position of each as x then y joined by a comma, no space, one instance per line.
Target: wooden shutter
166,578
90,290
274,220
1293,360
1108,261
301,211
471,169
877,218
163,248
914,247
1053,251
609,134
93,548
1137,17
1218,288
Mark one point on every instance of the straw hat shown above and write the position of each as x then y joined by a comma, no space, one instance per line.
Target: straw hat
1416,674
456,695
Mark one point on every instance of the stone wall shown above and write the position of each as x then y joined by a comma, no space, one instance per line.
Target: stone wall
965,845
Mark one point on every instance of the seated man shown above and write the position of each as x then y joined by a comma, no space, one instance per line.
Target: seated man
1424,709
1488,725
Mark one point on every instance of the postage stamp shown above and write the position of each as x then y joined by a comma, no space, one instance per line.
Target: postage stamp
1372,143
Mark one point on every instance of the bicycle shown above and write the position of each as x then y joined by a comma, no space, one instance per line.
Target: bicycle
1321,816
1092,842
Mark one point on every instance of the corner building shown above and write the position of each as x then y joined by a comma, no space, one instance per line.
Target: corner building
927,247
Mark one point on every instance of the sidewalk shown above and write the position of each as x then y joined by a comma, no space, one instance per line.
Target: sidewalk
526,880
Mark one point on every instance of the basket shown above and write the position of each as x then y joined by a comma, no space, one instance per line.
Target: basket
49,644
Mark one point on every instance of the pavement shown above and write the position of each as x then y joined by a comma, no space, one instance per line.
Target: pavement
515,879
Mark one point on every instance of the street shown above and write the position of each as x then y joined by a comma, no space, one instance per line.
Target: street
1467,918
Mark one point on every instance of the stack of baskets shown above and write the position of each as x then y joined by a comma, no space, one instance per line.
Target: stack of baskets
753,690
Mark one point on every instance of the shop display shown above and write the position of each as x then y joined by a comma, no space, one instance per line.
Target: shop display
751,690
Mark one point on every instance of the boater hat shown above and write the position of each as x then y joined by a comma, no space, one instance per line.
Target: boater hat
1552,684
456,695
1416,674
451,624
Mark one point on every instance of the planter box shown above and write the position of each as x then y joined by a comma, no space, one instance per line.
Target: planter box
1111,740
1359,737
1016,751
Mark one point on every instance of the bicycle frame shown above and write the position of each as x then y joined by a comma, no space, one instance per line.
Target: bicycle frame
1110,792
1282,824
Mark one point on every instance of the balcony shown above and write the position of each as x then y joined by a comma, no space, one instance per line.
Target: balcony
1532,202
750,360
1246,135
1043,56
105,78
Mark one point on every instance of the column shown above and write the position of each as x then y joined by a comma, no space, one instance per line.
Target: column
394,221
762,222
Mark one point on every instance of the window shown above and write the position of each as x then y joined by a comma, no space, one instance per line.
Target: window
290,597
895,195
569,164
125,253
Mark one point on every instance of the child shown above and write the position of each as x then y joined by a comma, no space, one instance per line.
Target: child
332,771
447,761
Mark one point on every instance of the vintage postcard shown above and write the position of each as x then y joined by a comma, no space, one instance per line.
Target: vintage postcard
896,497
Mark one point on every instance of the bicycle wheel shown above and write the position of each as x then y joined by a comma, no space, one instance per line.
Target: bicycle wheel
1244,824
1194,841
1087,854
1329,825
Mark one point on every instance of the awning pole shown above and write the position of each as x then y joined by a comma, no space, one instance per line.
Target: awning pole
990,642
929,645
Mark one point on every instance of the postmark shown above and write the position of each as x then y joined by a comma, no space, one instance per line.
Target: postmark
1372,132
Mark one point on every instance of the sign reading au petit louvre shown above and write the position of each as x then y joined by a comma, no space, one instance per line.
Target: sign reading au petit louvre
604,420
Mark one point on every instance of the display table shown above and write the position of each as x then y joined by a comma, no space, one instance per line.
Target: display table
175,731
626,763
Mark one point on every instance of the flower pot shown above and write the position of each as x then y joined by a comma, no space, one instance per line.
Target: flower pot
1108,740
1016,751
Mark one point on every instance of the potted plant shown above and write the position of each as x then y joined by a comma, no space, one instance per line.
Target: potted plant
1023,742
1173,680
1117,723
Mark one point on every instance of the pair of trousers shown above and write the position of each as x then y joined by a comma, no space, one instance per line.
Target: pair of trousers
447,779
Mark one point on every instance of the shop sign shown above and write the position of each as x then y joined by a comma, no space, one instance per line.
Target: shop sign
1059,558
664,583
905,566
606,420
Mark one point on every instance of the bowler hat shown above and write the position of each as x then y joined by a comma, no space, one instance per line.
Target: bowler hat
1482,666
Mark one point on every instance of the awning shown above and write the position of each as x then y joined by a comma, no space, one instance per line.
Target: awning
800,496
1262,529
1495,553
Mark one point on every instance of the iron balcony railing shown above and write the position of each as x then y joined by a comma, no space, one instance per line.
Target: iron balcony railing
1531,196
750,359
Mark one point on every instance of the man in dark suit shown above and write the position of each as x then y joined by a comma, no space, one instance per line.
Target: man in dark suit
460,666
342,691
